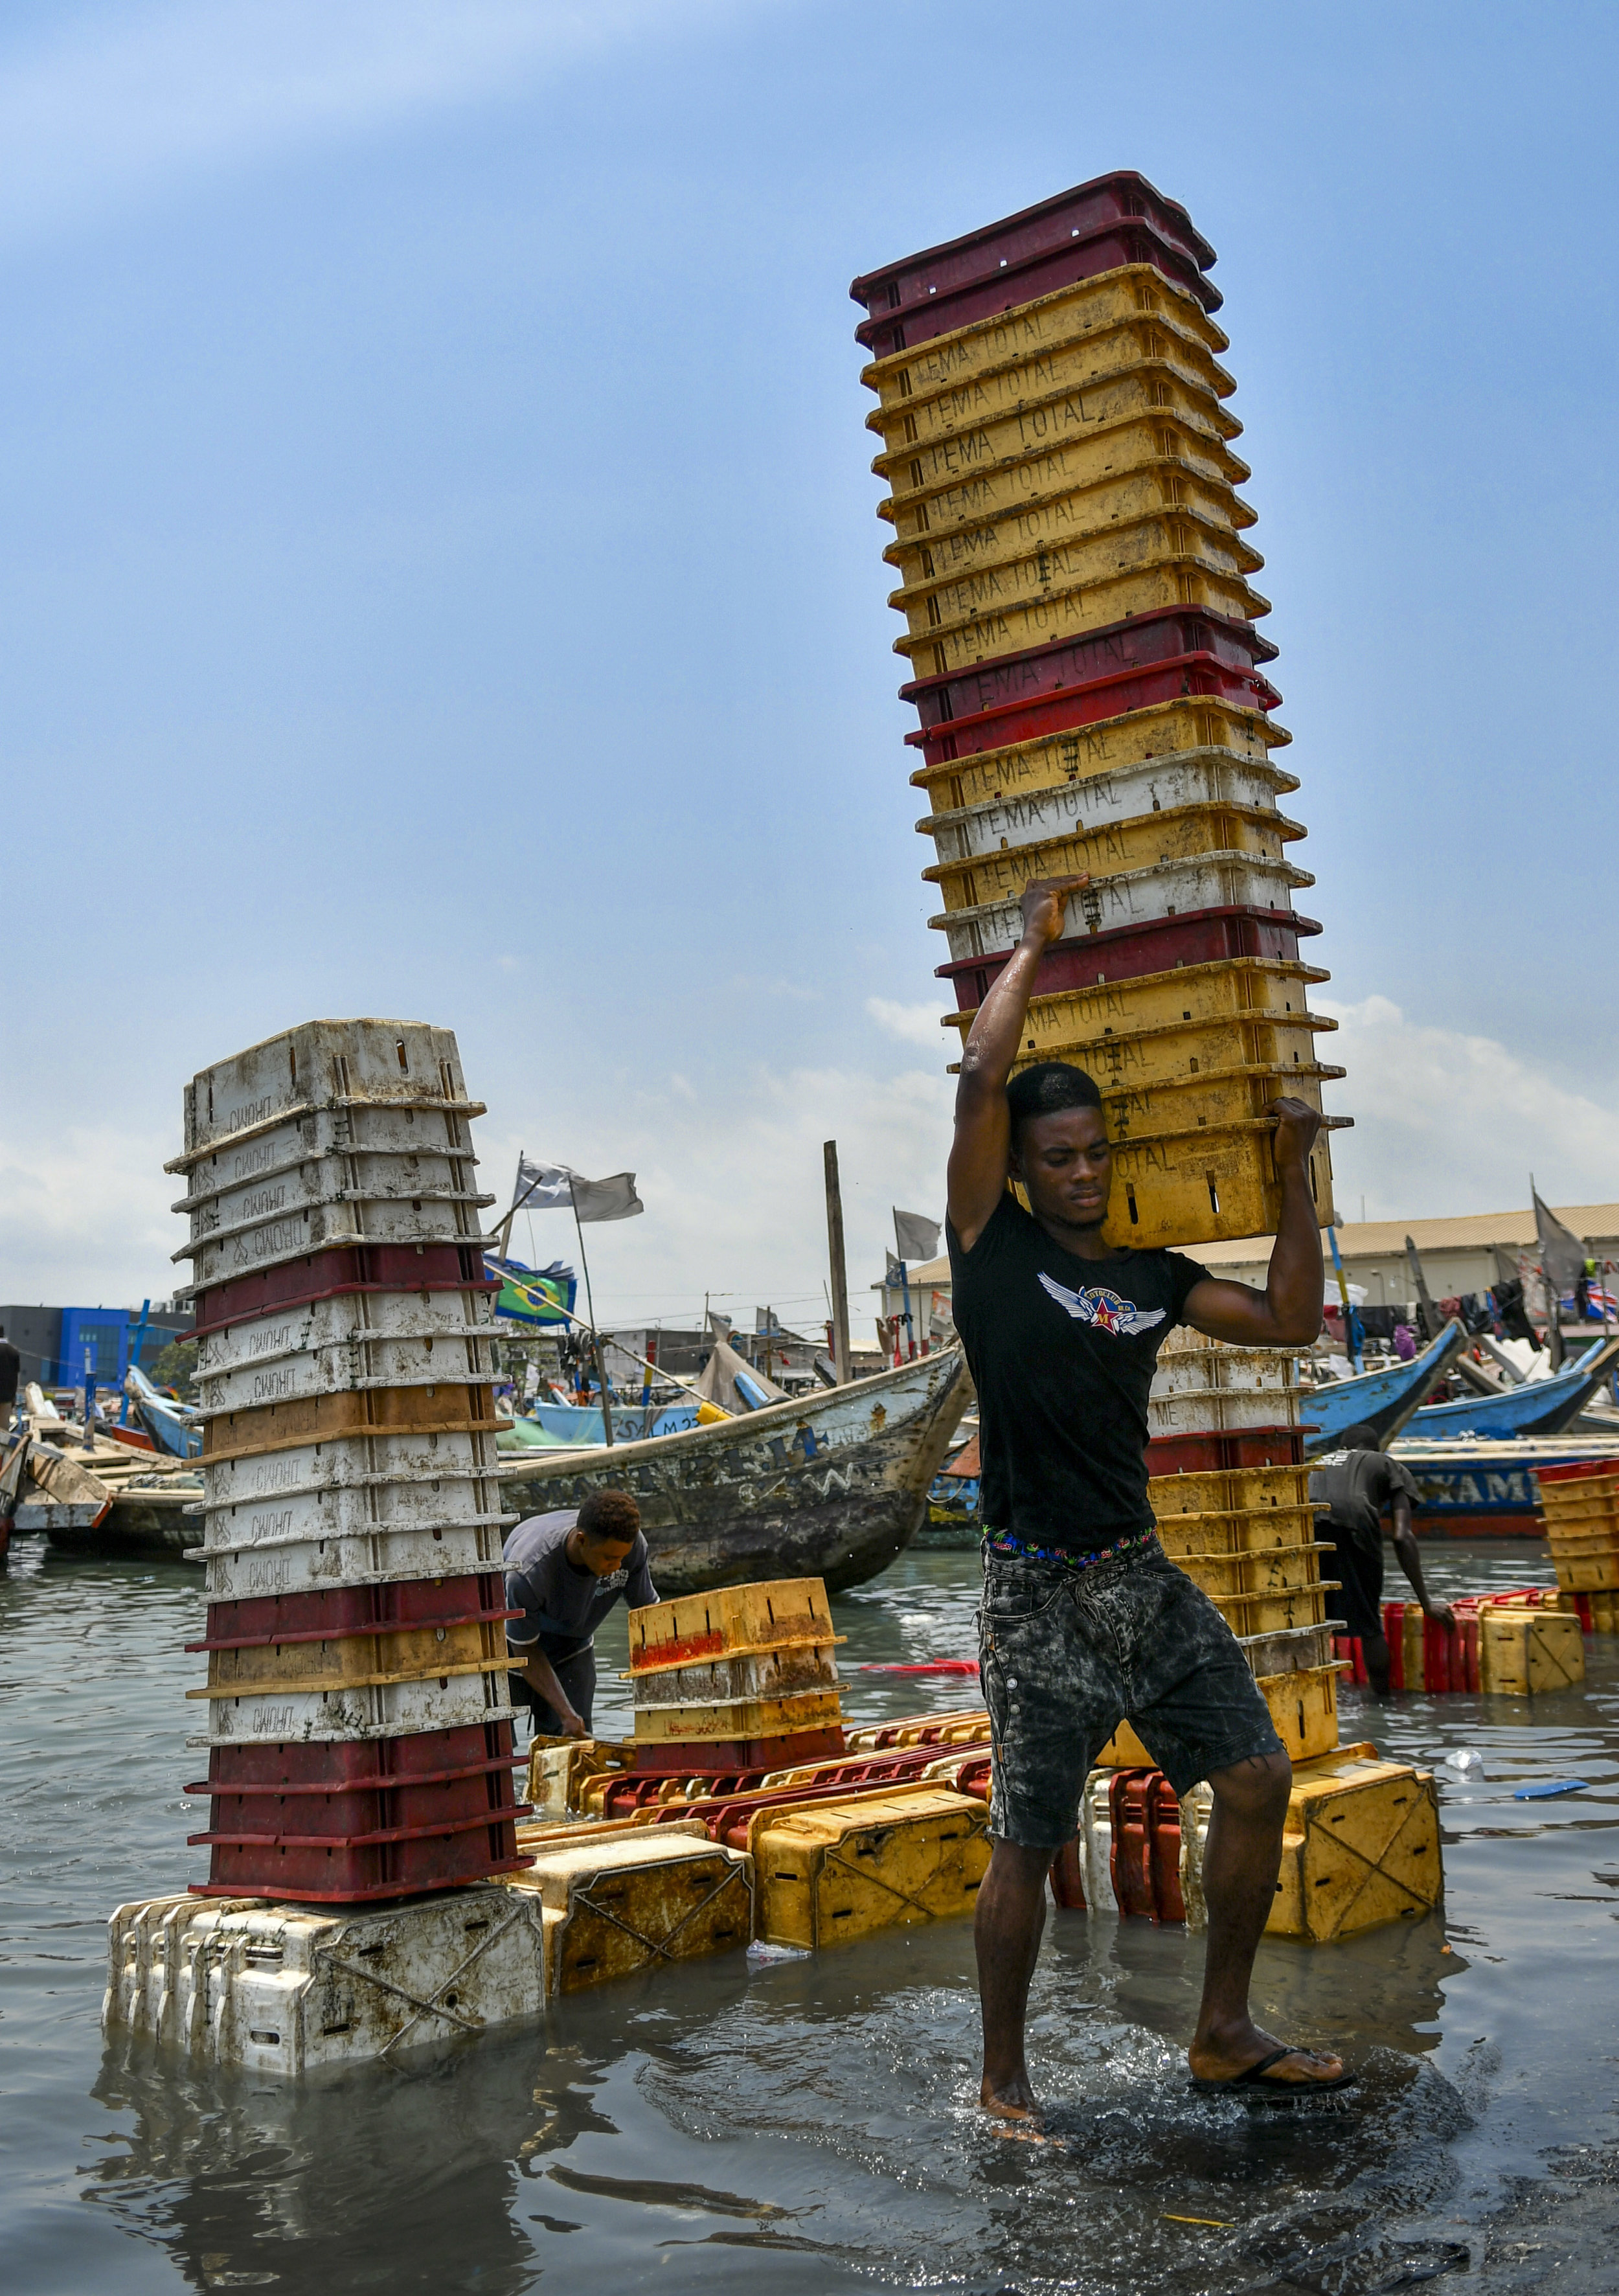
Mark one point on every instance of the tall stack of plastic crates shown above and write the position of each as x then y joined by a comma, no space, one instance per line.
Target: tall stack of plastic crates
1088,673
742,1677
358,1732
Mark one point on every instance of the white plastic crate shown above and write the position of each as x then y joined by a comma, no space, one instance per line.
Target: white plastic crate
369,1127
341,1510
463,1358
322,1064
352,1463
1158,785
277,1989
1205,881
352,1317
313,1181
383,1709
1191,1364
356,1558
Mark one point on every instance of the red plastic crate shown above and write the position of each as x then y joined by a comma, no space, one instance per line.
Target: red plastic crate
1243,1446
1125,952
726,1755
1136,644
353,1873
333,1613
1145,1857
1045,228
1181,678
327,1765
1351,1648
346,1267
988,285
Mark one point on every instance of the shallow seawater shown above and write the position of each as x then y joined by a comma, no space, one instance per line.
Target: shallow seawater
809,2126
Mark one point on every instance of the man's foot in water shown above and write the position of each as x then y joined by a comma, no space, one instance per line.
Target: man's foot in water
1012,2101
1226,2056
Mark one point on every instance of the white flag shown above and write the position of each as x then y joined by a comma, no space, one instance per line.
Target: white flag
918,1238
555,1188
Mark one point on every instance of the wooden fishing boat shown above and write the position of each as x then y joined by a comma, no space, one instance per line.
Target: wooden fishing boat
1484,1489
110,1499
1541,1407
831,1487
1386,1400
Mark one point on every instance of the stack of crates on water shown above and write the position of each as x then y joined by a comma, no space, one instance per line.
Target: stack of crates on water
1581,1505
359,1735
1229,1485
1088,674
740,1679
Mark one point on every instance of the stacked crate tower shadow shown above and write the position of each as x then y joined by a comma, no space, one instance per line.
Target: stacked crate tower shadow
359,1733
1090,676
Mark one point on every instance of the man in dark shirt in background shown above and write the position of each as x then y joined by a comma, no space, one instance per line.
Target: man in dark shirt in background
1085,1621
11,1374
565,1571
1358,1481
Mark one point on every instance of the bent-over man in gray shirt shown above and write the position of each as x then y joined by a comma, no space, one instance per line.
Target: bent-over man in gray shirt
565,1571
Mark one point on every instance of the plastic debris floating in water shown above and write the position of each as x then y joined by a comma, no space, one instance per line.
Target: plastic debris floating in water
1550,1787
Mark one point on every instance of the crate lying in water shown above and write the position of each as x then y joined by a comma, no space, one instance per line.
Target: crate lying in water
831,1871
621,1902
281,1989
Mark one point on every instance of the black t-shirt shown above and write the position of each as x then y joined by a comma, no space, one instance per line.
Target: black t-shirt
1061,1351
10,1371
1357,1486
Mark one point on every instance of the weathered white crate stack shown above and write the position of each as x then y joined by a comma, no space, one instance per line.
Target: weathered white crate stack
358,1730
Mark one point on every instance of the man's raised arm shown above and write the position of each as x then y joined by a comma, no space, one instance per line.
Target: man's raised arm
982,1133
1288,1313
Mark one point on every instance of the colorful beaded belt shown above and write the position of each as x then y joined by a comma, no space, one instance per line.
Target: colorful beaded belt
1006,1546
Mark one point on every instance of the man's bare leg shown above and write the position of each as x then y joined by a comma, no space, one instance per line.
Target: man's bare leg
1006,1929
1241,1862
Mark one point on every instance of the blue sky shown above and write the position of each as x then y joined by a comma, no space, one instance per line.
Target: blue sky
440,577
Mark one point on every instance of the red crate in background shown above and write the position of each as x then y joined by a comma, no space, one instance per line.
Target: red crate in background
1242,1446
1119,197
1136,642
344,1268
1125,952
1180,678
332,1613
1145,1857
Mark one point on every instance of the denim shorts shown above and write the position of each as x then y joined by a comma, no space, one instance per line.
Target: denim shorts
1066,1655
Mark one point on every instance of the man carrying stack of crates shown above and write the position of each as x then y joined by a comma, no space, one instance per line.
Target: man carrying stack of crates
1085,1621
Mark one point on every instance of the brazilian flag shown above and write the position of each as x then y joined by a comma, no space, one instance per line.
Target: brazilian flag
533,1295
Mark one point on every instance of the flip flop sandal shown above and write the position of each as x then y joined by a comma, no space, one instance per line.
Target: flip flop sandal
1255,2089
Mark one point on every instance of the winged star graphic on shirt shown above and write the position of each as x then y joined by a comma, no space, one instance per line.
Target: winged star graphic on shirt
1104,1309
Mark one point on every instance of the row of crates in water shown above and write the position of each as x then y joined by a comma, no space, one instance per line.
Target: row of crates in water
1526,1643
1090,680
284,1989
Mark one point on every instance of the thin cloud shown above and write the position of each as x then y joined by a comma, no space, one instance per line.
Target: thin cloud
1448,1122
122,101
912,1024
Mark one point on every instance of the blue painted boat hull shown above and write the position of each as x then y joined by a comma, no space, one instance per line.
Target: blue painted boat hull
1544,1407
1487,1489
1384,1399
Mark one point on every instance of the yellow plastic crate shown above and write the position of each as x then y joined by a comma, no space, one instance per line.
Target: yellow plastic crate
1605,1611
1041,574
1281,1493
1304,1707
1161,447
741,1717
729,1621
356,1662
1207,1187
833,1871
1275,1613
994,538
1233,989
1270,1531
1267,1571
1170,389
879,1737
947,405
789,1673
1359,1849
1586,1573
1110,849
1196,725
1151,1059
1089,306
1526,1653
1186,576
618,1903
